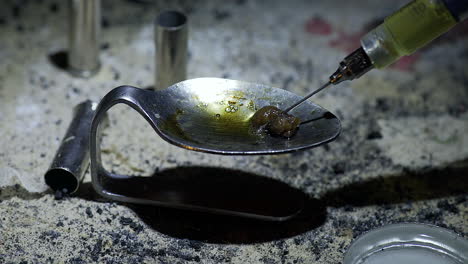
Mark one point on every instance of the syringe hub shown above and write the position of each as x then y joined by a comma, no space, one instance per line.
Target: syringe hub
352,67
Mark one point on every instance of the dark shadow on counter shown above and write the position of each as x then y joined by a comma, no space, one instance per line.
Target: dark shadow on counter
223,229
59,59
221,197
410,186
216,228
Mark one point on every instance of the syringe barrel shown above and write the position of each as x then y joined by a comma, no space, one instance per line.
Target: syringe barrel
407,30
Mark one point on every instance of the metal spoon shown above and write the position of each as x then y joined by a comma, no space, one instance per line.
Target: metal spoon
212,115
209,115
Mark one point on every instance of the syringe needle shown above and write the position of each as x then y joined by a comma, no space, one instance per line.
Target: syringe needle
306,97
352,67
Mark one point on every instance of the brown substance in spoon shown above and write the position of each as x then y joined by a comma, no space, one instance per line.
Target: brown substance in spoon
274,121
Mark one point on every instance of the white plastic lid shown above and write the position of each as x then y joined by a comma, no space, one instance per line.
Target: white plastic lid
408,243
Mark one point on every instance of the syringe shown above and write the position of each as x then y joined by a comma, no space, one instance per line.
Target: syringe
402,33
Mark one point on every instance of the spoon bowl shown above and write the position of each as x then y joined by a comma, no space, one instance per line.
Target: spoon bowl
212,115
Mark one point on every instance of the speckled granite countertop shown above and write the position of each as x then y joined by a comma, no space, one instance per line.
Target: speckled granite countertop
402,155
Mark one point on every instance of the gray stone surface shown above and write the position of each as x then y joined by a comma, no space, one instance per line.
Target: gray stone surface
401,156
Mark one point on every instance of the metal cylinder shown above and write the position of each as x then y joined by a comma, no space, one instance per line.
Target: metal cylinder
84,31
72,158
171,40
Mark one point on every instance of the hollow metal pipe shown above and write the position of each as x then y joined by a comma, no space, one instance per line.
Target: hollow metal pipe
171,41
84,31
72,158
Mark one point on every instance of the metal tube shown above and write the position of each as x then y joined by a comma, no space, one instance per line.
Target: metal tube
171,37
85,25
72,158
